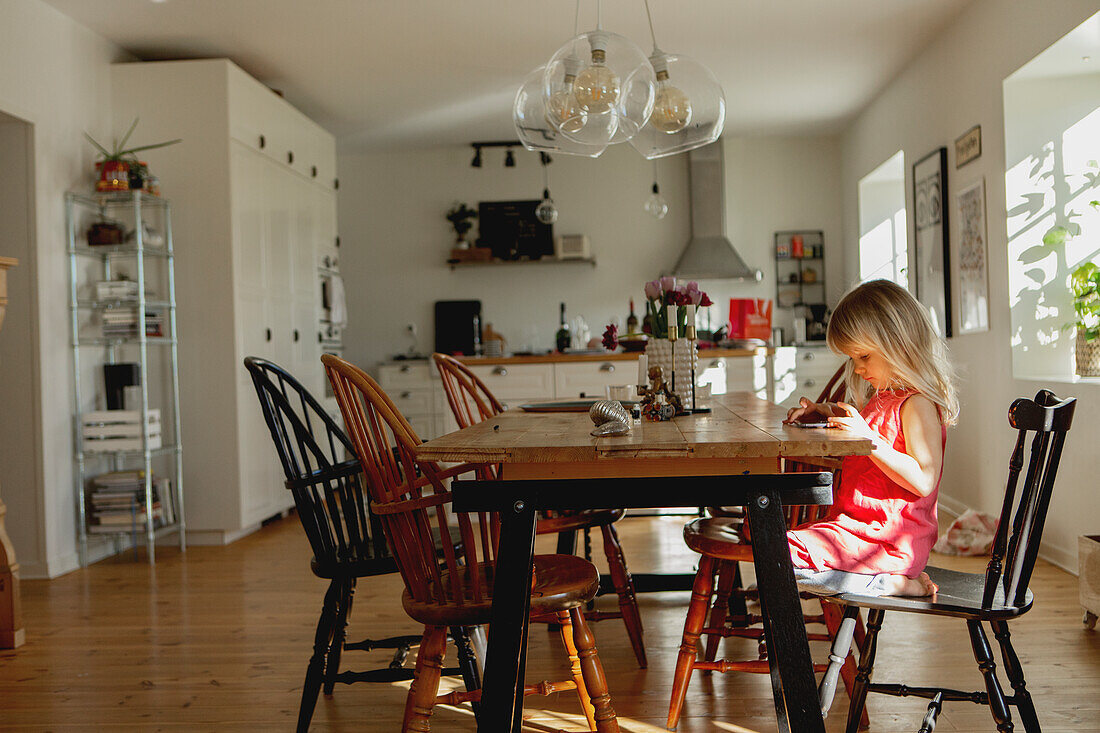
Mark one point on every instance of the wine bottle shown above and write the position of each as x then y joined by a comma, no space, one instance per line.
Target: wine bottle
562,338
632,320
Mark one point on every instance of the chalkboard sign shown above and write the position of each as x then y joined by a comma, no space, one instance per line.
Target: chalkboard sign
511,230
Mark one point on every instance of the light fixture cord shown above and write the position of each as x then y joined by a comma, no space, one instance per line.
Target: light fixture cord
544,159
651,33
599,15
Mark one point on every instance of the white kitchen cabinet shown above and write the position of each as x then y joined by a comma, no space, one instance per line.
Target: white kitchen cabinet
736,374
414,388
803,371
592,378
254,209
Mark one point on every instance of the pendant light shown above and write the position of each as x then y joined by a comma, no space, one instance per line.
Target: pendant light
610,80
538,119
689,109
656,205
546,211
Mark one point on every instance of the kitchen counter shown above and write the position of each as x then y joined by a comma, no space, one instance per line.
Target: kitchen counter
566,358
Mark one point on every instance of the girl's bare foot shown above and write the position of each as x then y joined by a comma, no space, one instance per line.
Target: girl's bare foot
900,585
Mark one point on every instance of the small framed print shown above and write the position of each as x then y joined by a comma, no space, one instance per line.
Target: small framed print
968,146
971,264
932,256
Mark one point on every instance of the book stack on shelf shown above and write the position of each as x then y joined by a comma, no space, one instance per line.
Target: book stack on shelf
116,502
123,323
116,289
115,430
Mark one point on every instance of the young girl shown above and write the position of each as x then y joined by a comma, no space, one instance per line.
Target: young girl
882,524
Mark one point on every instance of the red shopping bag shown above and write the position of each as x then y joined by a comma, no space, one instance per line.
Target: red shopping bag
750,318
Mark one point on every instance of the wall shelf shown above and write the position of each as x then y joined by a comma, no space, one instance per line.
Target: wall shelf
543,261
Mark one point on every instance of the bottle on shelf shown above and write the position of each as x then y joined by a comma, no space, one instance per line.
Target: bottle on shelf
562,338
632,320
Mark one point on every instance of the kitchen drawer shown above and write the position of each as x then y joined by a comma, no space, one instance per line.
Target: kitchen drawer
413,401
409,375
734,374
591,378
512,381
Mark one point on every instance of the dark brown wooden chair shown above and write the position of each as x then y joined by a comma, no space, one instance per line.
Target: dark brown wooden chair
410,498
723,544
471,402
995,598
346,538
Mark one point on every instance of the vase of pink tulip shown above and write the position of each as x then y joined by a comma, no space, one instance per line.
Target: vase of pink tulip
665,299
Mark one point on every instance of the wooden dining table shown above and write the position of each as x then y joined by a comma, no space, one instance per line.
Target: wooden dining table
731,456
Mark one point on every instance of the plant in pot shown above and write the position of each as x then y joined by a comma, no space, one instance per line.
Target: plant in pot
460,217
1084,284
114,165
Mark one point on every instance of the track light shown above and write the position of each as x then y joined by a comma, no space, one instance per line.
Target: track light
476,162
509,156
509,159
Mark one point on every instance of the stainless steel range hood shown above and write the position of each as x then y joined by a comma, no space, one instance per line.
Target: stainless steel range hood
709,255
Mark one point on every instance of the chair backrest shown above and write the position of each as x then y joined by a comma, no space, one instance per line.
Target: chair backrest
321,470
835,390
410,498
469,398
1016,543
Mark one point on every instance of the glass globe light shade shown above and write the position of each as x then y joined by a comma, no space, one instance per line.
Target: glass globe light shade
656,205
532,122
705,113
615,86
546,212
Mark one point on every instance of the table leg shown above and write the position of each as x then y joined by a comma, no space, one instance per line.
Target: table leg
502,689
785,632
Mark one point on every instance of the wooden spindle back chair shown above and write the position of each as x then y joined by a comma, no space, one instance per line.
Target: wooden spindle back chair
323,475
995,597
471,402
454,588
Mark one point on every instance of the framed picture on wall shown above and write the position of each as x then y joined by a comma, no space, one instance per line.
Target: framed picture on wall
932,268
971,262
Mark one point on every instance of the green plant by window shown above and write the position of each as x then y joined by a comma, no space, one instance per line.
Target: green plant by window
119,151
1084,283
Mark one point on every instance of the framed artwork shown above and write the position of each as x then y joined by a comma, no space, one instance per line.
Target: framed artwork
932,270
968,146
971,268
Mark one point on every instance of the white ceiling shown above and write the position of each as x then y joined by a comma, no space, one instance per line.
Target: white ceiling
424,72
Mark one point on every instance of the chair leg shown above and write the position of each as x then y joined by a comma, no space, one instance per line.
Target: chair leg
467,660
315,671
339,633
737,606
983,655
836,621
566,627
866,667
624,588
1015,672
425,684
727,575
693,625
592,672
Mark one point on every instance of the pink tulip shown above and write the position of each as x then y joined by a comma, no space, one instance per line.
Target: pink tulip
668,283
653,290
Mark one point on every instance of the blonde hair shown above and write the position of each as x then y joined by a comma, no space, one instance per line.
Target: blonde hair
885,317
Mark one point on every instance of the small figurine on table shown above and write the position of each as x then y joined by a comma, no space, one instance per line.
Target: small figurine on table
659,402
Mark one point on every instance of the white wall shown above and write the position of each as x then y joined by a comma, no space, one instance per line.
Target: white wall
953,85
395,240
54,75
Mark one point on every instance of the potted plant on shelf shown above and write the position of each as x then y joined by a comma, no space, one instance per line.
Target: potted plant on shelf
114,165
460,217
1084,285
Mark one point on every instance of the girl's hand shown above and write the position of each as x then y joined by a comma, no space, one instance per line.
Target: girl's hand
806,412
854,423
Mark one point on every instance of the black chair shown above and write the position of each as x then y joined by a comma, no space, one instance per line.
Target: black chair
996,597
347,540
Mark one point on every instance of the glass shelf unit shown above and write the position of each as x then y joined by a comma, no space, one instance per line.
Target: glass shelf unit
142,216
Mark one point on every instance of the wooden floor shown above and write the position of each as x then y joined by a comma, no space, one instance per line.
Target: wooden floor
217,640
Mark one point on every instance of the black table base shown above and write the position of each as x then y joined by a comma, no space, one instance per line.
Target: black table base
762,494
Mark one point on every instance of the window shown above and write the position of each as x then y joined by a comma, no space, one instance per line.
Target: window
883,248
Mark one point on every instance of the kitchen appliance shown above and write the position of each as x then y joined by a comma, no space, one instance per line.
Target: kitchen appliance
457,326
572,247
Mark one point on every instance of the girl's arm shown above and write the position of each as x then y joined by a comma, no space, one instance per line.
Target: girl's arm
812,409
917,469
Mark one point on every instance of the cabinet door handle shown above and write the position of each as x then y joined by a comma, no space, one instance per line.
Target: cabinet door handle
607,367
289,156
320,337
267,334
338,242
313,172
295,335
808,356
715,364
406,395
500,371
809,383
263,142
405,368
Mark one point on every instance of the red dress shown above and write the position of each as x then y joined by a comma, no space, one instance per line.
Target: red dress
874,525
